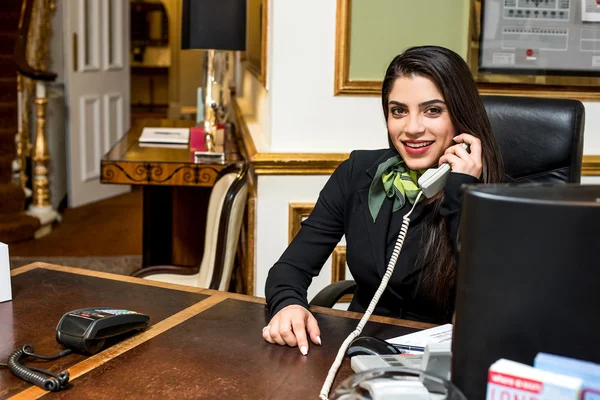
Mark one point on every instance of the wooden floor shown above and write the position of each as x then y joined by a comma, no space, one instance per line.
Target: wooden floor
111,227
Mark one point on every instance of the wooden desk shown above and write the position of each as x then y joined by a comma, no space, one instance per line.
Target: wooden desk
176,192
201,343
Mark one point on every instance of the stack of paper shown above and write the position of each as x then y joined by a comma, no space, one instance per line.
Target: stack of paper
165,135
416,342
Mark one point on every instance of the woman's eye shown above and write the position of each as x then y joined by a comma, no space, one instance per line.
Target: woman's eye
397,111
433,111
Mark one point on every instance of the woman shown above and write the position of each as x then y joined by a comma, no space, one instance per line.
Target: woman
431,105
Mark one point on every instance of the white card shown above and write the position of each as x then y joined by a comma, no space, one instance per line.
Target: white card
5,290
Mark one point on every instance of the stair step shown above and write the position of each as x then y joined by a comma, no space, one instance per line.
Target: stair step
6,168
8,89
9,20
7,43
17,227
13,6
8,116
8,67
7,141
12,199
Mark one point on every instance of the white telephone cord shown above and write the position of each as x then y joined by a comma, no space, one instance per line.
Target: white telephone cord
324,394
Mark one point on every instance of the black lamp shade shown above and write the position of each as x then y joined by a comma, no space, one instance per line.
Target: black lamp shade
214,24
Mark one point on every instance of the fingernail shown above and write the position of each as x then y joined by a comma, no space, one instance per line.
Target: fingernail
454,138
319,340
303,350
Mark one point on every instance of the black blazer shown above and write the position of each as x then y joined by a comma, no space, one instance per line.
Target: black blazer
342,209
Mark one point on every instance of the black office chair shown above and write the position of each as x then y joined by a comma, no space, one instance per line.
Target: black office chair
541,141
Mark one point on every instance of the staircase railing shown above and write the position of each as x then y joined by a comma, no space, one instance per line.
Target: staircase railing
40,156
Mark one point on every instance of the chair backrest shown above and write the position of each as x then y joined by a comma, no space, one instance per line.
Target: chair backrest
541,140
223,223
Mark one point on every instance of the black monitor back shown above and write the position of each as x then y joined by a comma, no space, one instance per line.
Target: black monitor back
528,278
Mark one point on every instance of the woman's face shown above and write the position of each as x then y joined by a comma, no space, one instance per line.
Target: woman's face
418,122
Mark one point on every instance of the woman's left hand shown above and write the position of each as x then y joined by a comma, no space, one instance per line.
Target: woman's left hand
461,160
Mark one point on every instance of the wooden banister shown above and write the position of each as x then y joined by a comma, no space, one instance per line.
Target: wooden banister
21,47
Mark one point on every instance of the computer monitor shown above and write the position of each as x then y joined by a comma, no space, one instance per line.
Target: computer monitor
528,278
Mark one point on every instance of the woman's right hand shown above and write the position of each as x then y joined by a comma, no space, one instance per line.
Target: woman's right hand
290,326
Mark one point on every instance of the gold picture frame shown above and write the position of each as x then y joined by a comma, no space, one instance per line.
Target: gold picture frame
338,264
255,57
342,84
297,213
584,89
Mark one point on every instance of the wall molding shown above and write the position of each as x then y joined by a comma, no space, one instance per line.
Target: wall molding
342,83
297,212
260,71
338,264
590,166
268,163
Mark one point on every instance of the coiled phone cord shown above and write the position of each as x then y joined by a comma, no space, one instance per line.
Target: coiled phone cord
324,394
38,376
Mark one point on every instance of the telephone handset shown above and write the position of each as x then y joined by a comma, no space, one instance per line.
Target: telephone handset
434,179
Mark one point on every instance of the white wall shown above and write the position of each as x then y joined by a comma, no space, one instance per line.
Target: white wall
253,100
305,115
591,139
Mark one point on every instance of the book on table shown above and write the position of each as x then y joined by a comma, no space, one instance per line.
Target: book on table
165,135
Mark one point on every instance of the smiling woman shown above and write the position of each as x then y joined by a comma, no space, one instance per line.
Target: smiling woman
431,106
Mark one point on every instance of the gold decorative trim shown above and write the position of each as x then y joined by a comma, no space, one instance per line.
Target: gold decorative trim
158,173
338,264
261,73
106,275
297,213
590,166
297,163
284,163
342,84
489,85
243,132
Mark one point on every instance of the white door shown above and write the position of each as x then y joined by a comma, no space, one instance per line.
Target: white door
96,44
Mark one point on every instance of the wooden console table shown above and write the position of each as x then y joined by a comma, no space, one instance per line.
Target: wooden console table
175,190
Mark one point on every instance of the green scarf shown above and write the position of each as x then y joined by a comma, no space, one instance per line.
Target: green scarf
395,180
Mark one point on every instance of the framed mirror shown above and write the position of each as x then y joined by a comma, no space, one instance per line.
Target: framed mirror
256,39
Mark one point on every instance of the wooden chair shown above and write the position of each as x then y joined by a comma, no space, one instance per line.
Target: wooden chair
223,226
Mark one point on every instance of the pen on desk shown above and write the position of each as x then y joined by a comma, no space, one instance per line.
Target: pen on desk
166,133
406,347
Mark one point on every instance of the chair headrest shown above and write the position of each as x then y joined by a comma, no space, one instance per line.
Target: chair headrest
541,140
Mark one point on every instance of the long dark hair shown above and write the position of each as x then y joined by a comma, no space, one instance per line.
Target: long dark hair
448,71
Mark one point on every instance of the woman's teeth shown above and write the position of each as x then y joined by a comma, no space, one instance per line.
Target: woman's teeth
417,145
